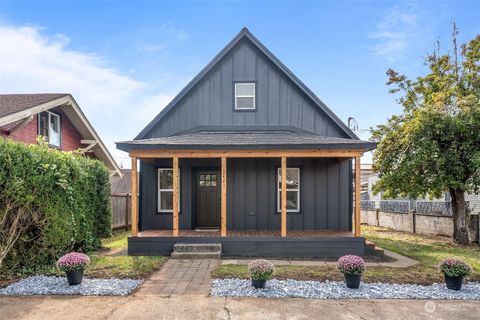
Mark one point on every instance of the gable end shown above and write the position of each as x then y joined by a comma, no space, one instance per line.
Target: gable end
245,35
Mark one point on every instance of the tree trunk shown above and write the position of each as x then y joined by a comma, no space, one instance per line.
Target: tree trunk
460,217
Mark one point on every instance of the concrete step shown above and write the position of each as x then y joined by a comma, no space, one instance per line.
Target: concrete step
197,247
195,255
370,248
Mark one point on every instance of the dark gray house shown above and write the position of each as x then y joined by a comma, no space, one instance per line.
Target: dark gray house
211,164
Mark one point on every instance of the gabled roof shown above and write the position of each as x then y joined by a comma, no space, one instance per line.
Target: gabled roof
12,103
15,107
246,34
213,140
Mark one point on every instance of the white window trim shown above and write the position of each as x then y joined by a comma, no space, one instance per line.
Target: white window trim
50,114
279,189
159,191
246,96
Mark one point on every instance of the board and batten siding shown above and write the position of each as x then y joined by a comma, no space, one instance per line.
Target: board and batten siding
279,101
325,199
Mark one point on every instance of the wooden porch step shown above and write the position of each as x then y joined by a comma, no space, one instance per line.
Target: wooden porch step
197,251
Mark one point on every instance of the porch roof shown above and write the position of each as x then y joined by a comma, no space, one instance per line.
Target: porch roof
218,140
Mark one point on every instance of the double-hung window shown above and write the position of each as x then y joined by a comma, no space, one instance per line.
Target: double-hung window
293,190
49,127
165,190
245,96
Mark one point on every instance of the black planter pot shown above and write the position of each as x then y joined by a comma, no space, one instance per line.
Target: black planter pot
453,283
353,280
74,277
259,284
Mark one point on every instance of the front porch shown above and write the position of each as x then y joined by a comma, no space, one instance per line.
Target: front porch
247,233
320,196
253,243
232,182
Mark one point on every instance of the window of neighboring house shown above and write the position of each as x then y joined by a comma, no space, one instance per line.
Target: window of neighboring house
293,189
245,96
165,190
49,127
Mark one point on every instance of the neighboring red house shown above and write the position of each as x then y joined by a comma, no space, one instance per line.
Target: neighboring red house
58,118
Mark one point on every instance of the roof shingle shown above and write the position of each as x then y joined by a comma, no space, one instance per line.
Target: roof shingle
12,103
245,140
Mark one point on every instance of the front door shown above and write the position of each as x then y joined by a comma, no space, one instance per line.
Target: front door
207,199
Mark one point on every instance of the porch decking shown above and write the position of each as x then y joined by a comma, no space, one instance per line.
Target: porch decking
248,233
253,243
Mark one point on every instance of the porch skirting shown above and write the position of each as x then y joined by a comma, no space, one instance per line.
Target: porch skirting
255,243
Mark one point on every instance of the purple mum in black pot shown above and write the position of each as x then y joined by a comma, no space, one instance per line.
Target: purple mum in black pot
73,264
261,270
454,270
352,268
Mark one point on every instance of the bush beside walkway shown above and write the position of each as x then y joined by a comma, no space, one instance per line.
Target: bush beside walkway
51,202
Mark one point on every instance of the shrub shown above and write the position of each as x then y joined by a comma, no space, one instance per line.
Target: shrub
51,202
73,261
453,267
350,264
261,269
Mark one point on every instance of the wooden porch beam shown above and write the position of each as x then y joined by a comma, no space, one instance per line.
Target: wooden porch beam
284,198
91,144
223,224
358,173
175,197
134,198
158,153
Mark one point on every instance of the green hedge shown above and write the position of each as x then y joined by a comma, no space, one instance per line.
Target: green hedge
69,192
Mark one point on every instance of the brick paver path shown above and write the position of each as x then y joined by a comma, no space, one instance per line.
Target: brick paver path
180,277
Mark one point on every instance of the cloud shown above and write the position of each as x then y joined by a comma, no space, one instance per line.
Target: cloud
117,105
155,39
395,33
177,33
33,62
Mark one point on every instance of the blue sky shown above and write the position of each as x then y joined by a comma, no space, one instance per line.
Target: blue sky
124,61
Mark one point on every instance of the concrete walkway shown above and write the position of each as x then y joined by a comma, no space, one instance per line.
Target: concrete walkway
401,262
180,277
198,307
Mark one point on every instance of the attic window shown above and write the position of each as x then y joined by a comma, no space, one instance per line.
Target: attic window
245,96
49,127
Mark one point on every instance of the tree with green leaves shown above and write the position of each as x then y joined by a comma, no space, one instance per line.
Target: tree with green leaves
434,145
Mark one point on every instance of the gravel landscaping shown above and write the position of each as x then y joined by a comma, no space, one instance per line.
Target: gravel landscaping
338,290
46,285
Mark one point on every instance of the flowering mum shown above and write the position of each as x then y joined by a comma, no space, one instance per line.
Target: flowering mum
351,264
73,261
261,269
453,267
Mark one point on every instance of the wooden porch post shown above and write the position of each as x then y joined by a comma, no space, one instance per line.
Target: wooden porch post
223,227
134,198
175,197
357,197
284,197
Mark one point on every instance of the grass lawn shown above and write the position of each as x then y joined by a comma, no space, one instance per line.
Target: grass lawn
430,251
103,265
119,240
123,266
